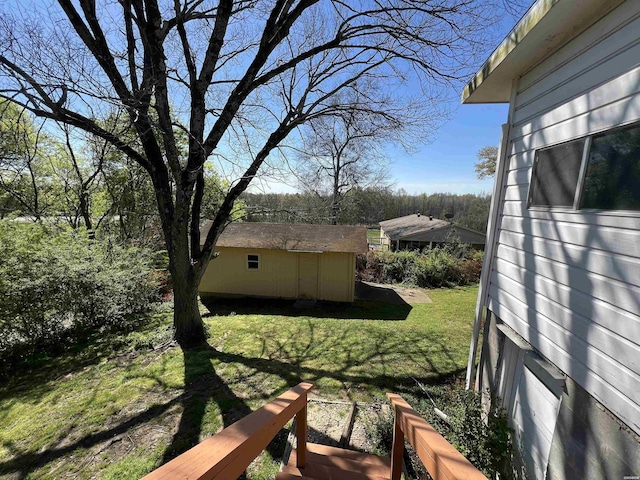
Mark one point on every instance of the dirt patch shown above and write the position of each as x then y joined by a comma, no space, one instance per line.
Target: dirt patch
327,419
391,293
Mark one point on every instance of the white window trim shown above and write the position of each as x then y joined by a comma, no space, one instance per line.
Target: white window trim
582,175
246,264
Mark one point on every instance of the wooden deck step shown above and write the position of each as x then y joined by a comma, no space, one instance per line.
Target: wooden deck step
331,463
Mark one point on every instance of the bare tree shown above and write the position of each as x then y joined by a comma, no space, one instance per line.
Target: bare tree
226,73
342,152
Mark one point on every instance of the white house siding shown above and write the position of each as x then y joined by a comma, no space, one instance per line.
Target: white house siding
569,281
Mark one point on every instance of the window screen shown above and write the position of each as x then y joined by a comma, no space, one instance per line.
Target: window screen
555,175
253,262
613,171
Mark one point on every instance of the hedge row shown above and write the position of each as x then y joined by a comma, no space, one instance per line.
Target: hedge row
58,285
438,267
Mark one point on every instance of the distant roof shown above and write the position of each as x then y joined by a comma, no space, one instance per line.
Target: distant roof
419,228
410,224
546,26
297,237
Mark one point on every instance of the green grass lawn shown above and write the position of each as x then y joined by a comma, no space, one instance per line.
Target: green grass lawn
120,406
373,233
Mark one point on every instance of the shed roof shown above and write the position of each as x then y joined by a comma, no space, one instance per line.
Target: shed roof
297,237
546,26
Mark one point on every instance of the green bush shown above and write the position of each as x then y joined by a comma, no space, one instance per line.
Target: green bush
438,267
59,285
483,439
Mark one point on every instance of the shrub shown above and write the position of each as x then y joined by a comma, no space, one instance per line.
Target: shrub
484,439
438,267
58,285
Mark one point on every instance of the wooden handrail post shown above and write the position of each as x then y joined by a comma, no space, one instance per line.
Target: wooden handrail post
228,453
397,448
440,458
301,435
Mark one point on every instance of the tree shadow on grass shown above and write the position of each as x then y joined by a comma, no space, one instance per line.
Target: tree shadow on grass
204,386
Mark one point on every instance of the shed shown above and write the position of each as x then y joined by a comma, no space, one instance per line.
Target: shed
285,261
560,284
419,231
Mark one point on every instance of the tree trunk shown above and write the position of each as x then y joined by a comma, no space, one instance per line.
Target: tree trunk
189,328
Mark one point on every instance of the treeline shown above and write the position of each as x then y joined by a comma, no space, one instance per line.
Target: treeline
367,207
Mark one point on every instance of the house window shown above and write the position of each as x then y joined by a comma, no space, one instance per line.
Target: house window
253,262
599,172
612,180
556,172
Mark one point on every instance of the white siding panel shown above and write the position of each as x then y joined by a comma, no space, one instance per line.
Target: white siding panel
620,295
539,402
519,176
521,160
568,281
620,219
618,267
587,65
591,77
607,26
517,192
604,391
583,327
622,112
534,419
615,240
616,91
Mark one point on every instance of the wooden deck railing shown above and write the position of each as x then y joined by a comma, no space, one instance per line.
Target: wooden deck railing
441,459
228,454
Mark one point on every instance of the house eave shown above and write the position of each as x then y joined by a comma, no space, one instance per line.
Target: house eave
546,26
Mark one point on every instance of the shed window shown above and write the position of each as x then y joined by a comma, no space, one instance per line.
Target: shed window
253,262
612,180
555,175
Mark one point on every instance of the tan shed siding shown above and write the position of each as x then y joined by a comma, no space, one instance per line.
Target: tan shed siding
337,277
228,274
278,274
569,282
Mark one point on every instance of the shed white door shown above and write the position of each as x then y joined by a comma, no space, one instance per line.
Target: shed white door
308,275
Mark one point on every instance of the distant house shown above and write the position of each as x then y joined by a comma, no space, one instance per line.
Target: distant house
560,287
423,231
285,261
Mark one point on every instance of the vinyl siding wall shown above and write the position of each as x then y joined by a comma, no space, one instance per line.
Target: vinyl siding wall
569,281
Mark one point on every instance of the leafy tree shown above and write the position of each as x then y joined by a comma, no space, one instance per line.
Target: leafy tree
57,283
25,155
487,158
237,77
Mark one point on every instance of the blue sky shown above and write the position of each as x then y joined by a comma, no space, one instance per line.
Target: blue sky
447,164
